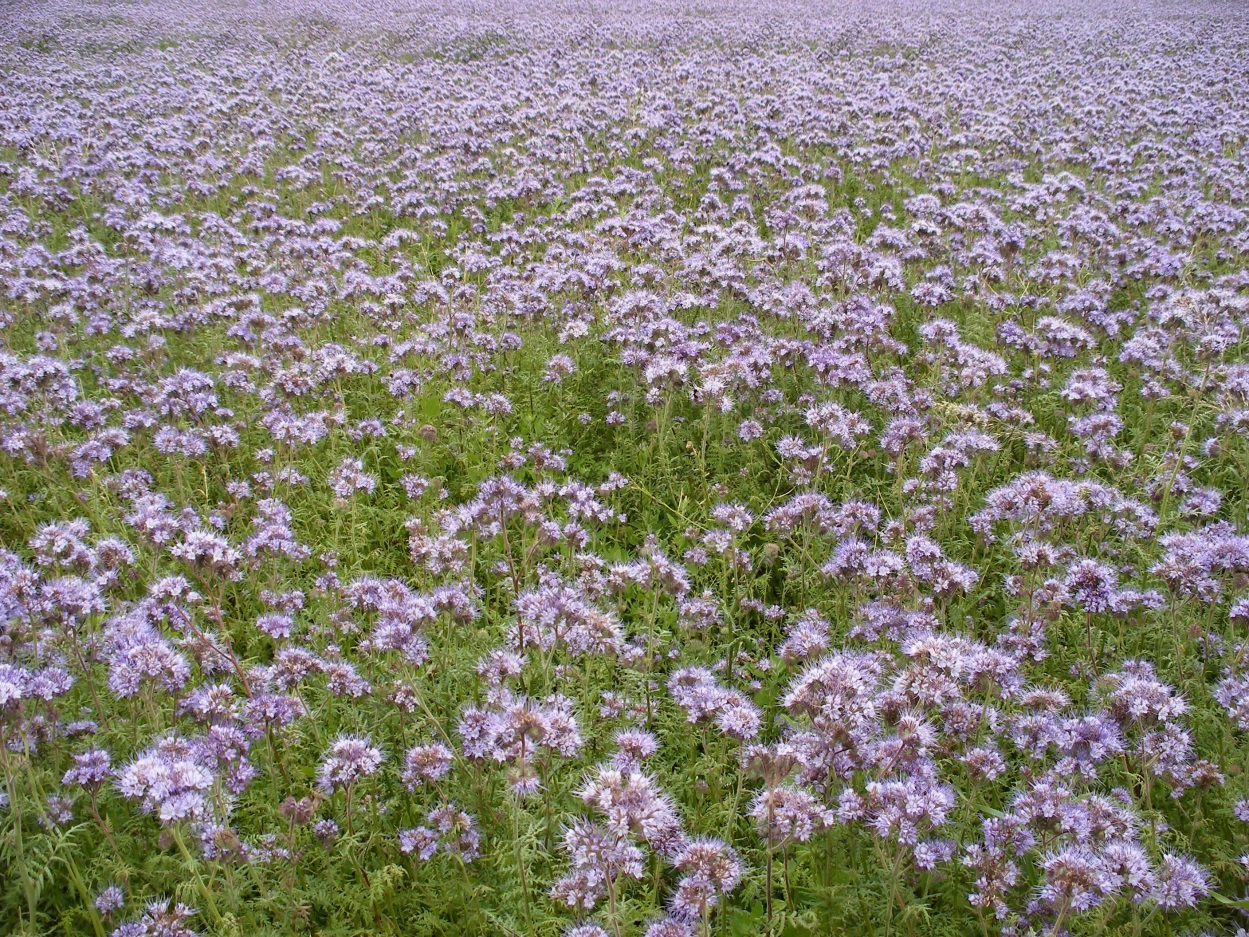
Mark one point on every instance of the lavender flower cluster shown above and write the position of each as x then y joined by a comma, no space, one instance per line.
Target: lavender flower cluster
610,469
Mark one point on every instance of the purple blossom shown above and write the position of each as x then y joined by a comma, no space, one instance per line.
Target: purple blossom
349,759
1181,883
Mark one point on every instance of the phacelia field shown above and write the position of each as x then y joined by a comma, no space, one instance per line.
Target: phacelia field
624,469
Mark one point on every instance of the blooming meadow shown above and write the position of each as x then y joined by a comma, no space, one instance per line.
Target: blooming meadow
601,469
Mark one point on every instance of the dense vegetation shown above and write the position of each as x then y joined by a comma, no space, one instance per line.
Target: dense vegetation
594,469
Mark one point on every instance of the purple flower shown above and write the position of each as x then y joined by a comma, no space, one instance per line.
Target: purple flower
170,780
349,478
599,861
788,814
1076,879
710,870
161,918
91,769
110,899
426,763
1180,883
349,759
448,829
